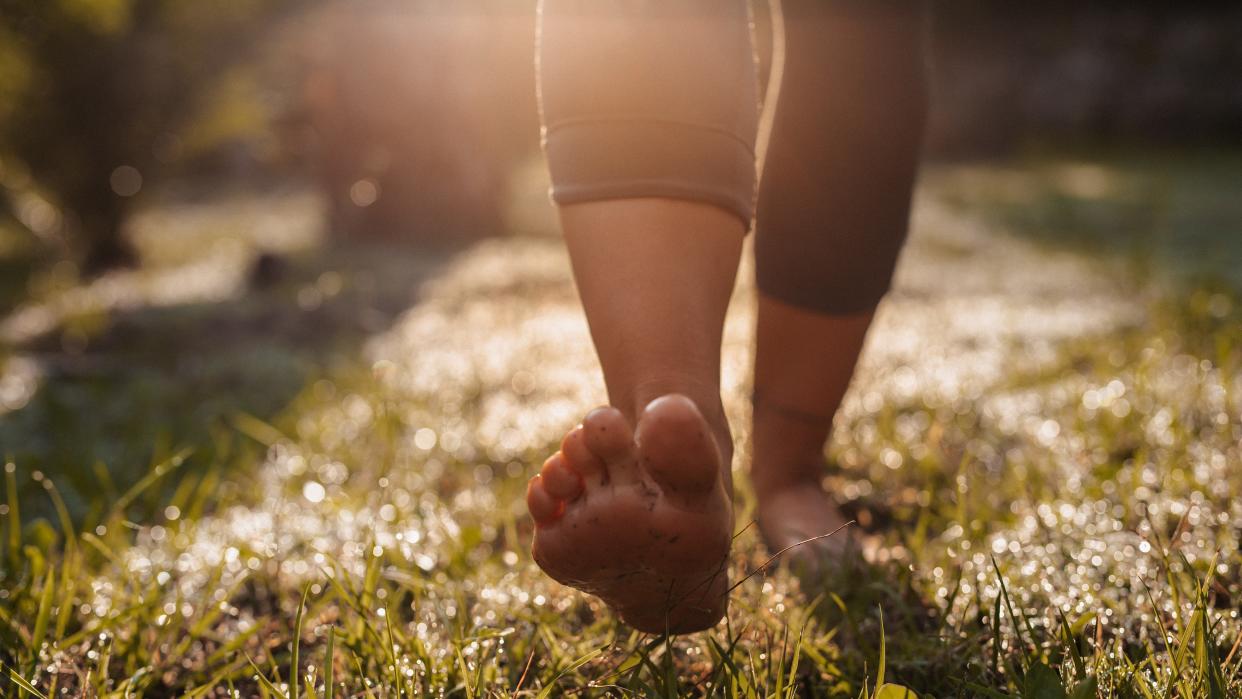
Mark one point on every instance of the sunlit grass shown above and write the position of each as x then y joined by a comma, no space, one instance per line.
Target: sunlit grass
1051,481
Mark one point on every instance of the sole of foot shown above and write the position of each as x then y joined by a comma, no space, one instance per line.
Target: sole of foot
641,518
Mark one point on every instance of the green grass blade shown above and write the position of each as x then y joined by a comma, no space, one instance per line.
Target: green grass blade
267,684
21,682
14,518
882,666
203,690
154,475
1207,658
295,667
780,675
100,469
725,665
62,515
996,636
670,678
390,646
792,682
328,668
231,646
104,661
1013,616
39,635
1072,642
464,669
256,429
583,660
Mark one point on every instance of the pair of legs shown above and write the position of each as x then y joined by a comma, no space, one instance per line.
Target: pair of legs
650,111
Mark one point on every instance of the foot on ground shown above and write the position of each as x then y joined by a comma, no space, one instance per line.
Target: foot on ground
790,514
642,519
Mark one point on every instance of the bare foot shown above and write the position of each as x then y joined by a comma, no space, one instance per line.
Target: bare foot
643,520
794,512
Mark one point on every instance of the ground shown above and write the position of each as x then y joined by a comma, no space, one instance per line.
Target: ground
223,476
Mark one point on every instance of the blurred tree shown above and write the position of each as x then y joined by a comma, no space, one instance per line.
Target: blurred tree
417,112
93,95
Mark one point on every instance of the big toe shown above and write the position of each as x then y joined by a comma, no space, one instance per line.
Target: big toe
677,446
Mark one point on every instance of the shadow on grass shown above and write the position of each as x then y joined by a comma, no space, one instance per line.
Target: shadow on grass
121,389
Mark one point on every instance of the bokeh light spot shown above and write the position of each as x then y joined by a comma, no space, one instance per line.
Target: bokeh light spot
126,181
364,193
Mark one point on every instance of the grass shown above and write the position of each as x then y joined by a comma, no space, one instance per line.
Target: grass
1069,530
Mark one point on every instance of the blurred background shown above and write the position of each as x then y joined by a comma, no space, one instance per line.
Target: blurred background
206,205
281,288
408,118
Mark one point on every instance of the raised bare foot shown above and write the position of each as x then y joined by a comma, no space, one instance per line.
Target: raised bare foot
791,513
642,519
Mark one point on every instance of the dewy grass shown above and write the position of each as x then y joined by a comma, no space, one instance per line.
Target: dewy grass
1046,463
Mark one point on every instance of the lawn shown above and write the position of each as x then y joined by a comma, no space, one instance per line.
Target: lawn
309,485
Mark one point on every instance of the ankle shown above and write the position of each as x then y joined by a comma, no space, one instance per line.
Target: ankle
786,453
766,485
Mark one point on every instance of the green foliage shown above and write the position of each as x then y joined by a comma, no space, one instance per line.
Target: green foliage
90,86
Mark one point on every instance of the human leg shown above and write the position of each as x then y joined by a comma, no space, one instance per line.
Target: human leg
833,213
649,112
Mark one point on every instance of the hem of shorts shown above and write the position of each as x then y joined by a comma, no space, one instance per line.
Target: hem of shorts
825,305
657,189
613,122
628,157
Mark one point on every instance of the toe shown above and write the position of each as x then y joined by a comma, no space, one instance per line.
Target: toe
559,480
580,458
677,447
543,507
608,435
